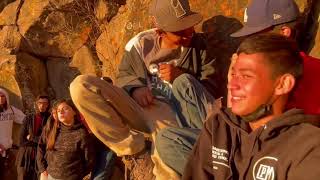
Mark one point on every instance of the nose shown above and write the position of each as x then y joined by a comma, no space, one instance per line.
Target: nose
233,83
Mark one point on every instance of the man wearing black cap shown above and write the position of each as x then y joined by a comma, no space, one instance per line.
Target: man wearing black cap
166,64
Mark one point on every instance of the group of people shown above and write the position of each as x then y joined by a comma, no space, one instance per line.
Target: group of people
54,142
266,128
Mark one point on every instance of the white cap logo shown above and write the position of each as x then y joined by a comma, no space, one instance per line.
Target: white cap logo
276,16
245,17
178,8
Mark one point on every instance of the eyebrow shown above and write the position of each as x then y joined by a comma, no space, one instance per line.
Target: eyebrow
244,70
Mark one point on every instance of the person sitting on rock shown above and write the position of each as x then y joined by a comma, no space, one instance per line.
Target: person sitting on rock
165,67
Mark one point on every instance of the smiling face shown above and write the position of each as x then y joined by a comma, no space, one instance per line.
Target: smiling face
251,83
65,113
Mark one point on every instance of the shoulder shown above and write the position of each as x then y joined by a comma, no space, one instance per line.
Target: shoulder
218,119
142,39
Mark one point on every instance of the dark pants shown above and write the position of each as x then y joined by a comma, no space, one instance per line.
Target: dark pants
2,167
103,167
174,146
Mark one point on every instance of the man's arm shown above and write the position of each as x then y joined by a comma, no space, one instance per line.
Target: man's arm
24,132
307,168
18,115
132,71
133,78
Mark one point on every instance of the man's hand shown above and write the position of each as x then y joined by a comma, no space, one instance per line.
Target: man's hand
143,96
44,175
169,72
28,137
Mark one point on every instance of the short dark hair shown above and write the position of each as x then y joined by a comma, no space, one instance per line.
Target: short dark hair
281,53
42,96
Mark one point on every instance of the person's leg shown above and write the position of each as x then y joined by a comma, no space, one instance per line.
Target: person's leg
109,112
103,167
21,173
193,101
174,146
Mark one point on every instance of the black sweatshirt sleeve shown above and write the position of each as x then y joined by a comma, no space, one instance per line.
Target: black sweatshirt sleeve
41,151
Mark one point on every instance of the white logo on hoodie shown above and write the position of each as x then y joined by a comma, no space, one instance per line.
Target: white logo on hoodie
264,168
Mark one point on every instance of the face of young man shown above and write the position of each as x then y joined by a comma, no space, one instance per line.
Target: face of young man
43,104
2,99
181,38
251,83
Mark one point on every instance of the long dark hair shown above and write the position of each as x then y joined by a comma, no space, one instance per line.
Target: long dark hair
55,124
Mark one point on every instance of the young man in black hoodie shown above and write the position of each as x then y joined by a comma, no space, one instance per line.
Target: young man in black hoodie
258,138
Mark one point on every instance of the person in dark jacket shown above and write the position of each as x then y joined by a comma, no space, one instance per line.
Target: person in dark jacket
29,137
66,152
257,138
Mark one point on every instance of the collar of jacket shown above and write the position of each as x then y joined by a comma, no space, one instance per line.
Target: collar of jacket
275,126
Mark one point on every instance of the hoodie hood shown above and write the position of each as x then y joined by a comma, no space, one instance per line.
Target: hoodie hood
2,91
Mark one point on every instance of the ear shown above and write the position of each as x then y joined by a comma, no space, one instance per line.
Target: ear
285,84
286,31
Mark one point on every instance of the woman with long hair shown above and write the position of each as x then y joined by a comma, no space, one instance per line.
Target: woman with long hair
64,151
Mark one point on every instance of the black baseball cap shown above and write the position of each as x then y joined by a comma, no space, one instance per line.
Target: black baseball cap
174,15
262,14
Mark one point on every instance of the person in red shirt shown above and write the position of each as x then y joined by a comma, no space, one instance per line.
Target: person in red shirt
283,17
29,137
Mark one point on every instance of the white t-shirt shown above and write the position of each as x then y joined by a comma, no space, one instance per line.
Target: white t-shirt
7,118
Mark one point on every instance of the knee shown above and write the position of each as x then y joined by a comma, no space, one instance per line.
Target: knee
165,139
78,86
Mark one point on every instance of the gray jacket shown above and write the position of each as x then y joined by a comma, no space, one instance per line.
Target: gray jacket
133,71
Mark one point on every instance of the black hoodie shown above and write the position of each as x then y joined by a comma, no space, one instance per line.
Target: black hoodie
287,147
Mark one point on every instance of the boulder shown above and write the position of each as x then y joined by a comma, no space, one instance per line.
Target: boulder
25,76
54,28
9,14
85,61
130,20
10,40
4,3
101,10
60,75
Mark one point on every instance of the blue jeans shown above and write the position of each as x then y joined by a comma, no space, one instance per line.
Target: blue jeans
102,170
192,101
174,146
